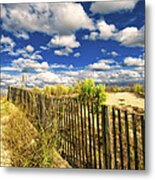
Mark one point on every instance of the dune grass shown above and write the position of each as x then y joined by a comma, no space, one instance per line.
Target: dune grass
28,147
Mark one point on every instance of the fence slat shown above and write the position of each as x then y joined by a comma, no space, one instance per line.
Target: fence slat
127,139
105,139
85,135
89,131
120,139
98,136
114,137
135,140
94,138
82,130
143,138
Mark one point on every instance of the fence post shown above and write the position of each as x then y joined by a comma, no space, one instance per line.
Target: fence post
120,138
106,138
135,140
81,112
89,131
127,138
8,94
143,138
94,142
114,136
98,135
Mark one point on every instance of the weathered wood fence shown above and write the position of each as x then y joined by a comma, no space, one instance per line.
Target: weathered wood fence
106,138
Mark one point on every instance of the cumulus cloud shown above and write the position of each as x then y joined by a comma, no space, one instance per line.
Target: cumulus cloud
27,52
67,42
131,37
49,18
104,31
77,55
130,61
64,41
112,53
42,78
93,36
113,75
63,52
27,64
8,68
7,79
48,77
6,44
22,35
29,48
103,50
103,64
63,66
113,6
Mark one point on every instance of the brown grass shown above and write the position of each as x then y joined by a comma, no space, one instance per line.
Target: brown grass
28,147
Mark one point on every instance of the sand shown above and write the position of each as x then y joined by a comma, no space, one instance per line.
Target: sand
125,100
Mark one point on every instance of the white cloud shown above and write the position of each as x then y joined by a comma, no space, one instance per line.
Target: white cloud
48,77
27,52
49,18
55,65
29,48
113,6
7,79
22,35
64,41
131,37
114,53
27,64
77,55
106,30
44,47
103,64
92,36
103,50
63,52
130,61
8,68
6,44
68,42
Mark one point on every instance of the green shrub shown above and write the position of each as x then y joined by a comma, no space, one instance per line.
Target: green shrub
138,88
90,92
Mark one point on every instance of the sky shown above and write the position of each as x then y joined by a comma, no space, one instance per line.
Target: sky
62,43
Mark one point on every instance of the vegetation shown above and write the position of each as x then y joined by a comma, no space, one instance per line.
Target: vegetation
138,89
29,147
86,90
134,88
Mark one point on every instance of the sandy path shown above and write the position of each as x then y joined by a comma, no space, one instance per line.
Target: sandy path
125,99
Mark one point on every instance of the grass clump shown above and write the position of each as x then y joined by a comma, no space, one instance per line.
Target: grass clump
29,148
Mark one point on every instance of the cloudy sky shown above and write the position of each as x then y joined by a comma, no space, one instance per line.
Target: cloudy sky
65,42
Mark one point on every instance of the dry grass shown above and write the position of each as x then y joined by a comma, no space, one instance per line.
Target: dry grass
28,147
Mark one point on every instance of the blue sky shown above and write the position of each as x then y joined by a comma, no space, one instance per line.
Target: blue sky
56,43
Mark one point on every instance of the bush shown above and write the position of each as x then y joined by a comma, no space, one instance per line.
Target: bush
90,92
138,88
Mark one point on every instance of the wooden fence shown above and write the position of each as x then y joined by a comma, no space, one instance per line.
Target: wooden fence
88,137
